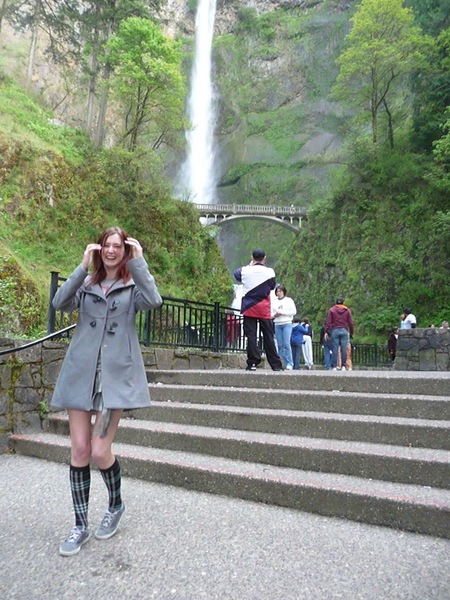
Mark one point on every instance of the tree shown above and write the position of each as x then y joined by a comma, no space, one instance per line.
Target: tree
432,96
147,80
54,18
432,15
383,47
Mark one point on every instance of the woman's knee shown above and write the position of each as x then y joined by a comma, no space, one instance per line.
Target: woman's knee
101,453
81,452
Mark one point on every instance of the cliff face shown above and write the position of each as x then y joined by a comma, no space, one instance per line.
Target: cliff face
177,15
279,134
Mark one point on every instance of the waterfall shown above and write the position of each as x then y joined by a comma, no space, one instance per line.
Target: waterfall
198,180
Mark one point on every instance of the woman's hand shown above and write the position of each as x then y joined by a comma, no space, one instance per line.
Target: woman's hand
135,246
87,256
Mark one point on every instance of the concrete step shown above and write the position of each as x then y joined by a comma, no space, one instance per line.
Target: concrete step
377,382
335,401
418,466
409,507
365,428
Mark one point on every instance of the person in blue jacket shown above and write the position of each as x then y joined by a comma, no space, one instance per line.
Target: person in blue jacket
298,331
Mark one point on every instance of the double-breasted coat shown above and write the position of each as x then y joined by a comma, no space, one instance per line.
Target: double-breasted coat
106,324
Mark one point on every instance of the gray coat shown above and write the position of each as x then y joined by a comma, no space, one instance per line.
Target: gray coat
105,323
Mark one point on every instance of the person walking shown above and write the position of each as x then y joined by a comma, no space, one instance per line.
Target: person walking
298,331
103,371
339,328
283,311
258,281
327,348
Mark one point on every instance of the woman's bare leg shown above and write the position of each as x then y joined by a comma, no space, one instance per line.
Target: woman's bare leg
101,447
80,437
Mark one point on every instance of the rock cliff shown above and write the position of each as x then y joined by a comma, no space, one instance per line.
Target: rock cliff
278,133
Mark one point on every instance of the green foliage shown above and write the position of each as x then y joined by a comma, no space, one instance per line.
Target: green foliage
147,79
432,96
51,208
382,241
383,46
20,301
26,119
192,5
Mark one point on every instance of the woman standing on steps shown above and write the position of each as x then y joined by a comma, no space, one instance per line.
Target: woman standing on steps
103,370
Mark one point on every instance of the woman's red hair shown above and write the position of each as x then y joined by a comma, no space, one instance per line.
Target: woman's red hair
99,271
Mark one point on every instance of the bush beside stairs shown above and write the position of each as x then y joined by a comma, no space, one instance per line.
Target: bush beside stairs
368,446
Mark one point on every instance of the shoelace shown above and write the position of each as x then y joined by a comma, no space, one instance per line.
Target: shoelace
74,534
107,519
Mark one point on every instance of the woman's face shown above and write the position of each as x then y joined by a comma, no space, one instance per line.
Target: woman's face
113,251
280,293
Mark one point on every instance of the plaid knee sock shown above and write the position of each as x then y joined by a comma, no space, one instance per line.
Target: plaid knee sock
80,485
113,480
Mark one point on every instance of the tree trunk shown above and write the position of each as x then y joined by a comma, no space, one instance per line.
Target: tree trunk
92,84
373,111
100,132
3,4
33,45
390,125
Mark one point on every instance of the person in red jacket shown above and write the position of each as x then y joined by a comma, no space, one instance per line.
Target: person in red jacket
338,329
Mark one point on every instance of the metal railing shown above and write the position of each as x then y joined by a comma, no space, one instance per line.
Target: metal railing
208,327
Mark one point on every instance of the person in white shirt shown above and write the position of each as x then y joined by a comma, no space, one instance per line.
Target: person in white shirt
307,348
283,311
409,321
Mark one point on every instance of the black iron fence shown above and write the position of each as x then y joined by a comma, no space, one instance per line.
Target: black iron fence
197,325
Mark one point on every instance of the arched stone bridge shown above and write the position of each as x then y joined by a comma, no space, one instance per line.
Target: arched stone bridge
287,216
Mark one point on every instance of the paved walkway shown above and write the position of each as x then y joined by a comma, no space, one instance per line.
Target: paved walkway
187,545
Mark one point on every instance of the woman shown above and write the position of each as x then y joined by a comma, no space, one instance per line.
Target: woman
283,312
103,370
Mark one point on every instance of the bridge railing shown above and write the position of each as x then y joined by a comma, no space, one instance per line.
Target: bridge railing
208,327
293,211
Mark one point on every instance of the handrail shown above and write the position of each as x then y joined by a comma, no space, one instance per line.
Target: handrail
61,332
201,326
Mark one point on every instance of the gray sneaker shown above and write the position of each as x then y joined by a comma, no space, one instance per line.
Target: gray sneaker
77,537
110,523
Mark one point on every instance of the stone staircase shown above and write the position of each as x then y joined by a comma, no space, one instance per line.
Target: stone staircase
367,446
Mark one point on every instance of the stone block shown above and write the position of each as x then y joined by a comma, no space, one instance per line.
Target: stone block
29,421
5,377
149,358
50,373
24,378
196,362
405,343
163,358
4,401
50,355
180,363
26,399
430,342
427,359
442,361
213,361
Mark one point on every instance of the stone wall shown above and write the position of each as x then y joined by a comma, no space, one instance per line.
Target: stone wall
423,350
27,378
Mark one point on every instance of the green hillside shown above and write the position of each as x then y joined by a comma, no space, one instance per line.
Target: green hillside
57,193
300,121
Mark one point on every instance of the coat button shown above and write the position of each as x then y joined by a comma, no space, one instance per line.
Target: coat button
93,323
